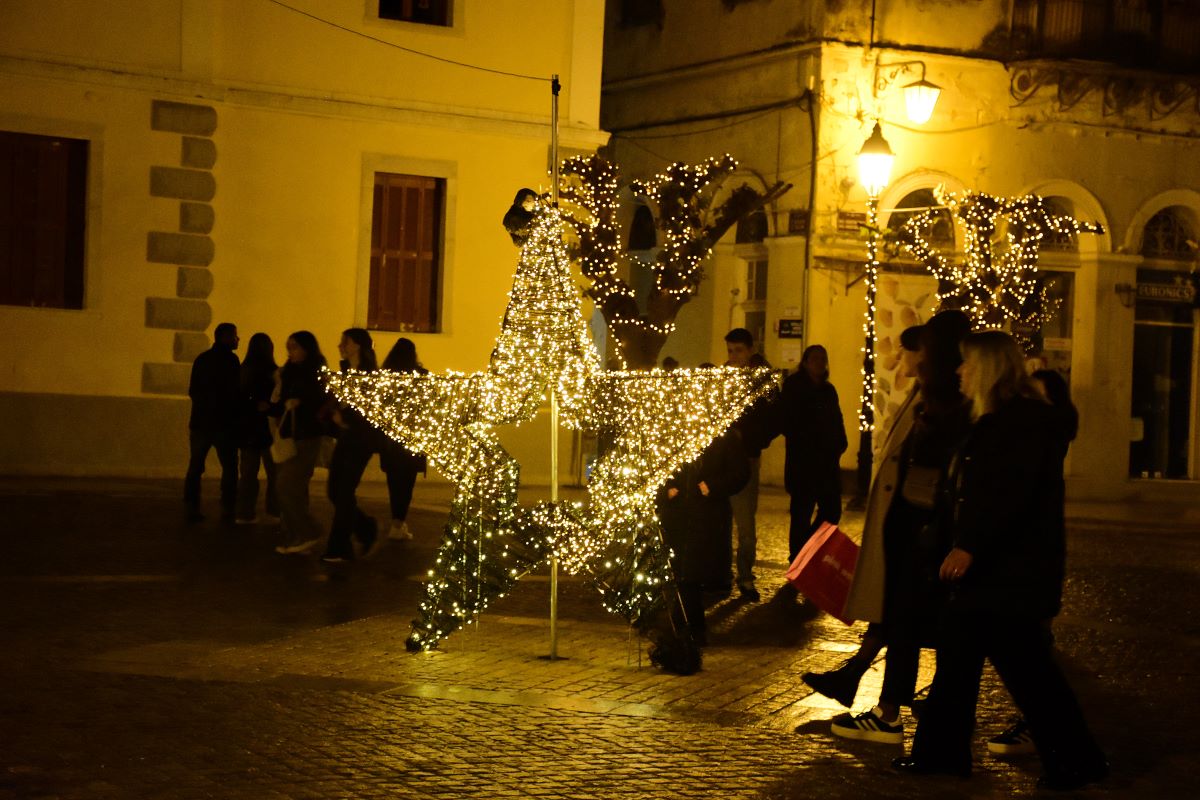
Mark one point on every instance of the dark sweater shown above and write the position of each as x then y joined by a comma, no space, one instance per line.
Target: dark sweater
215,391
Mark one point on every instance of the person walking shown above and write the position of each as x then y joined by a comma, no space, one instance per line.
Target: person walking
301,398
257,382
697,524
809,416
357,441
739,348
215,393
399,464
1006,495
895,585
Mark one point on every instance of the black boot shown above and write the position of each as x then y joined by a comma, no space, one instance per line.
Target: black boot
839,684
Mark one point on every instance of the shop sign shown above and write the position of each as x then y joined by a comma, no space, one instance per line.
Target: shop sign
1167,292
849,221
791,329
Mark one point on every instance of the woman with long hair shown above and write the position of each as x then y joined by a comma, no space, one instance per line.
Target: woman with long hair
301,398
400,464
1005,572
357,441
257,384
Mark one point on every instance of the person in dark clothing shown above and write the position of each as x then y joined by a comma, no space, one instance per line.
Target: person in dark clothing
257,386
215,391
400,464
302,398
809,416
1005,510
697,524
751,425
357,441
912,469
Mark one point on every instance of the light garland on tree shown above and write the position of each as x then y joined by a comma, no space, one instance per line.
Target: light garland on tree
655,422
996,283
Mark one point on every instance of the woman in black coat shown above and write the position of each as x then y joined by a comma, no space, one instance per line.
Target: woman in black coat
257,384
697,522
398,463
810,418
1005,518
301,397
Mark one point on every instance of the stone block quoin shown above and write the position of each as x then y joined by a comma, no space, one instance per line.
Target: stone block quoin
186,118
177,314
179,248
194,283
189,345
196,218
198,153
182,184
166,378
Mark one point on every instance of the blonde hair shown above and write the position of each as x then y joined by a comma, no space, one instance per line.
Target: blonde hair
999,374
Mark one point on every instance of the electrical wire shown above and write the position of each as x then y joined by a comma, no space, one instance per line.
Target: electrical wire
408,49
699,131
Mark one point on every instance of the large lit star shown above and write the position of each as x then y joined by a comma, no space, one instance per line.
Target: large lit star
650,424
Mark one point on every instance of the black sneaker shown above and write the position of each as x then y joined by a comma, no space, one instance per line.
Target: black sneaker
839,684
1016,740
868,727
749,594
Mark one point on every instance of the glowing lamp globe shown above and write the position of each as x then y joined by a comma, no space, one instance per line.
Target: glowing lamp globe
875,163
919,100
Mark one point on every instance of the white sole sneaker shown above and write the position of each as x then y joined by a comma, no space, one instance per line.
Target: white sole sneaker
400,532
867,727
290,549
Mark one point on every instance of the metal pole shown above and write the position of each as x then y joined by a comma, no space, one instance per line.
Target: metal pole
554,88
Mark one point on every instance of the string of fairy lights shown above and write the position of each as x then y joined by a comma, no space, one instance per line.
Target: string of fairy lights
654,422
870,381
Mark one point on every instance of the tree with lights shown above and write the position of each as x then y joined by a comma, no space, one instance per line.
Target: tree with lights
689,224
996,284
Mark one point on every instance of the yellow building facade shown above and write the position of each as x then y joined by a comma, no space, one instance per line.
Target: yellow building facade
1090,104
232,154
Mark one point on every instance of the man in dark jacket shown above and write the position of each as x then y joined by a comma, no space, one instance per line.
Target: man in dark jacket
215,389
809,416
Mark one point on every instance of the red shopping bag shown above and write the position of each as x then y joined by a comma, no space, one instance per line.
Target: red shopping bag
824,568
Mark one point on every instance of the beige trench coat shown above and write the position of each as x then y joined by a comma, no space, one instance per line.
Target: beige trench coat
865,600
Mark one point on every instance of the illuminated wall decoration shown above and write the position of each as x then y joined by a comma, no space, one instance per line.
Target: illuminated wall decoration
652,421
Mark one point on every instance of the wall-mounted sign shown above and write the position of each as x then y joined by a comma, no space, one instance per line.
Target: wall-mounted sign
791,329
1182,292
848,221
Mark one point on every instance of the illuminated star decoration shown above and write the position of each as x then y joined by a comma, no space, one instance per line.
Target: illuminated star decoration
653,423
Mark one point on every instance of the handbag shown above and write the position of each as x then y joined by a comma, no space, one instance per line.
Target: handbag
921,485
824,569
283,448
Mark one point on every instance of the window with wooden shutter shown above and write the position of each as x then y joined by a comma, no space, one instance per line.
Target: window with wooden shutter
425,12
43,203
406,227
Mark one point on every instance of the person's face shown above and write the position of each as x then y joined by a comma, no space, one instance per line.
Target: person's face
968,373
231,339
528,203
816,365
738,354
348,348
296,353
910,362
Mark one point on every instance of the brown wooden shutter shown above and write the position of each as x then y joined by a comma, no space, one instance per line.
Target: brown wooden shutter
405,233
43,183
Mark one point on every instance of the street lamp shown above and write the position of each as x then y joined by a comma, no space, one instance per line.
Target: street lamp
874,169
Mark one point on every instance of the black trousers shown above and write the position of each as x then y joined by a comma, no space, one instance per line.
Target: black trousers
400,481
826,501
199,443
346,467
1020,651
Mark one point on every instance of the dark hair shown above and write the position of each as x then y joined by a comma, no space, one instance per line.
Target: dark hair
522,194
366,349
670,363
308,343
1059,395
223,329
402,357
808,351
260,353
740,336
941,343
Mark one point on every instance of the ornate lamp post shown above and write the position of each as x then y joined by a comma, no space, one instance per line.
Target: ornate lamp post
874,168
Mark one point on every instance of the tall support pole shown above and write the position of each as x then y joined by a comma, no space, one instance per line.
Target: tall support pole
866,411
554,88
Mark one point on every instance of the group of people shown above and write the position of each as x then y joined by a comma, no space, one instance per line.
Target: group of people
262,417
963,546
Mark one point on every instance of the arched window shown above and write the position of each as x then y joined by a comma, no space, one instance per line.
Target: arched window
642,233
940,233
1060,242
1169,235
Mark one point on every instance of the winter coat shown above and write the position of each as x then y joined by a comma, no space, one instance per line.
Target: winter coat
302,382
1006,497
215,391
257,385
395,457
699,528
810,418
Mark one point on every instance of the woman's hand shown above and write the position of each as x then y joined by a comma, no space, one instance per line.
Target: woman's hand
672,493
703,488
956,564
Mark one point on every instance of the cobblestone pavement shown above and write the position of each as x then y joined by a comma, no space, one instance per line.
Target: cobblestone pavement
148,658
